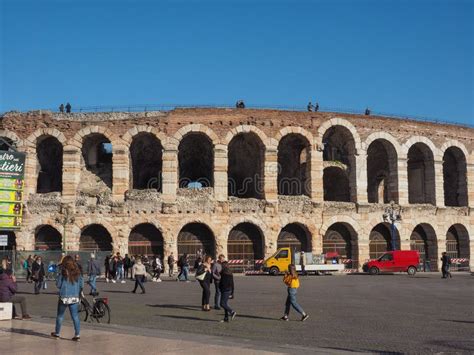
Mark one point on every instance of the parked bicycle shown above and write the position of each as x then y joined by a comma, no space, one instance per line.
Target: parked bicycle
99,309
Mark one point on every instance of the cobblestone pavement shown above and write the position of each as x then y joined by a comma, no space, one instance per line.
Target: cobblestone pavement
395,313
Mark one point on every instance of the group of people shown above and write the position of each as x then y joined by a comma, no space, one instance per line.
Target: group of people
118,268
35,272
68,108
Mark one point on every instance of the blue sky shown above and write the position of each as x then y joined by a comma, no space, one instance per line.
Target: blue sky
409,57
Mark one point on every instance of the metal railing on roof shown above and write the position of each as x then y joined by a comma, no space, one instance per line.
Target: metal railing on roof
170,107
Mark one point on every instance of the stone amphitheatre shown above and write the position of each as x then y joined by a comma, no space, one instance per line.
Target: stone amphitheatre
243,182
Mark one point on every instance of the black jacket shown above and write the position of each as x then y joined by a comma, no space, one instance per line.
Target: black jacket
38,271
227,282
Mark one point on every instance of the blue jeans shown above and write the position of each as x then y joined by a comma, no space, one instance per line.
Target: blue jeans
224,299
217,297
291,301
73,309
92,280
183,275
120,273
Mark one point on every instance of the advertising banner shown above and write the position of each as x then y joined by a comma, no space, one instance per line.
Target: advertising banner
12,174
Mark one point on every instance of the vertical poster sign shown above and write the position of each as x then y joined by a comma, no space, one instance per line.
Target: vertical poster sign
12,175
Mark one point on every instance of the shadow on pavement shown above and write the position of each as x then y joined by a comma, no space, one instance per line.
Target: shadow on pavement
27,332
364,350
188,318
175,306
117,291
458,321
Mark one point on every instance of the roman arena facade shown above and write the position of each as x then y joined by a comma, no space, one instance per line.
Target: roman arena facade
242,182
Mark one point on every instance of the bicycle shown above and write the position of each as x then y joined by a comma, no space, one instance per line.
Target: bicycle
99,309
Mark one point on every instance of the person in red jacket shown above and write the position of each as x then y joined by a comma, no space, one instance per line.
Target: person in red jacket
7,293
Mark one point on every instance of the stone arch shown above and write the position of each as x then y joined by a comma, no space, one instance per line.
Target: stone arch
95,237
423,239
421,173
457,242
195,128
12,136
49,164
47,237
97,162
340,148
294,163
340,240
337,121
455,177
196,239
296,236
386,136
146,161
381,240
382,171
78,138
196,160
246,243
420,139
294,130
246,161
127,138
145,239
341,219
249,129
32,138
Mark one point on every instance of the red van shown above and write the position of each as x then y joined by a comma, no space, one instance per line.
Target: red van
394,261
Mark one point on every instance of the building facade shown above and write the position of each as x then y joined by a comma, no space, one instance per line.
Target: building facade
243,182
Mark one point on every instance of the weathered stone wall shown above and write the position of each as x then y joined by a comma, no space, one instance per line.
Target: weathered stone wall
120,209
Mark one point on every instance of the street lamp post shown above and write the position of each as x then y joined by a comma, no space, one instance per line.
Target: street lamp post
66,218
392,214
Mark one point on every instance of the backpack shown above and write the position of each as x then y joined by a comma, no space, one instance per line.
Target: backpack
25,264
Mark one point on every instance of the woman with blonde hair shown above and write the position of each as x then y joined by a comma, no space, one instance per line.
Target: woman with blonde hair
291,281
70,285
203,275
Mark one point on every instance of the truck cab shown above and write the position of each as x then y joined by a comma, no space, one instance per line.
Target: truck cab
278,262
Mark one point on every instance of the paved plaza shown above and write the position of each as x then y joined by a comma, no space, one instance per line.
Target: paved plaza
394,313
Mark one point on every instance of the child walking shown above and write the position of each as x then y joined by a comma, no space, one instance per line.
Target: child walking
291,280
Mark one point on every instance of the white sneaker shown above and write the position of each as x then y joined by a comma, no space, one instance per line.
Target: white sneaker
114,281
153,279
159,280
107,280
122,282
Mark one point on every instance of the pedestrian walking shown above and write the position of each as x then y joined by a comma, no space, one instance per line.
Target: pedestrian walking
291,281
204,276
126,266
216,278
303,262
28,265
226,286
171,262
70,283
132,262
120,269
8,289
157,268
183,264
38,273
113,268
445,263
68,108
139,274
93,270
107,268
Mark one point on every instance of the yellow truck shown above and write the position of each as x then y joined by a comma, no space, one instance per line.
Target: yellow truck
283,257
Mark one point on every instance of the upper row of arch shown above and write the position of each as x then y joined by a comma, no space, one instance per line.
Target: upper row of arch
172,142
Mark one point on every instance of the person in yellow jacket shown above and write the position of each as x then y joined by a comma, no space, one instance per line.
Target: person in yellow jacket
291,280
